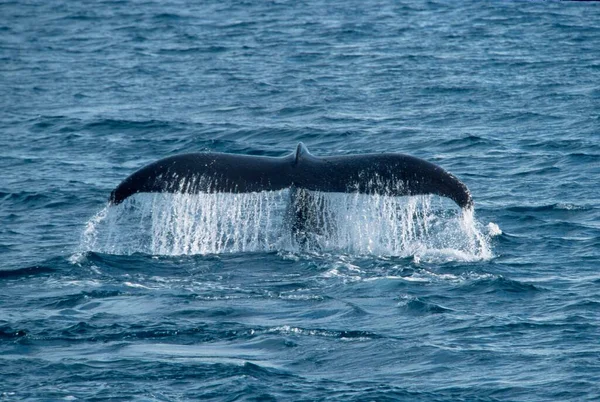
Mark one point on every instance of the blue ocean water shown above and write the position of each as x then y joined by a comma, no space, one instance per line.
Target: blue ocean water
409,301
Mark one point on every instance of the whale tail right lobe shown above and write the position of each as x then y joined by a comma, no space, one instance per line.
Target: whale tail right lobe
386,174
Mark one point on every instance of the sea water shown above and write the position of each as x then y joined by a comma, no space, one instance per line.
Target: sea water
211,296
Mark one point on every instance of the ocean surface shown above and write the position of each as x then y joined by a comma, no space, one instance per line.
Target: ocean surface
185,297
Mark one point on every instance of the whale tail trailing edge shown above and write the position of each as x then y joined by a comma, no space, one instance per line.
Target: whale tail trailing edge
386,174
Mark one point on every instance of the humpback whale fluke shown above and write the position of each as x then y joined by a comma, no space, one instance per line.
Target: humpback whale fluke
386,174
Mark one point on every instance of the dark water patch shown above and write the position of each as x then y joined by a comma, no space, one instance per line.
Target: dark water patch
585,305
169,17
544,171
80,16
85,332
469,141
120,125
500,286
526,117
578,158
204,380
120,264
420,307
207,268
6,248
44,124
25,272
193,50
10,333
562,145
550,207
361,391
50,267
29,198
28,201
297,110
450,90
318,332
74,300
578,328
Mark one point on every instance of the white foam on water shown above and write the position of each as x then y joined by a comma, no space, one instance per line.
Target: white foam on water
424,227
493,229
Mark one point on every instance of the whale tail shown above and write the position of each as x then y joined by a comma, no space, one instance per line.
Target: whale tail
387,174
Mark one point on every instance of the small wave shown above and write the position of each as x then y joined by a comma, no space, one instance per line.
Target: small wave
73,300
499,284
25,197
415,305
126,125
9,333
192,50
573,324
86,332
344,334
468,141
28,271
584,305
169,16
550,207
549,170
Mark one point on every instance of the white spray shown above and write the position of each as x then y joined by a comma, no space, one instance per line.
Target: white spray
213,223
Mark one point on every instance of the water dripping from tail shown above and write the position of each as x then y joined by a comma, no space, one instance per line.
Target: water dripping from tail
426,227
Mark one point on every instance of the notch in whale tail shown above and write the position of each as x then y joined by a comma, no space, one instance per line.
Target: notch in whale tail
386,174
